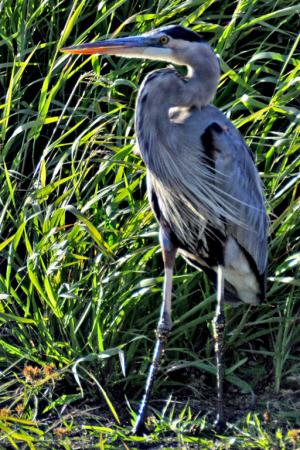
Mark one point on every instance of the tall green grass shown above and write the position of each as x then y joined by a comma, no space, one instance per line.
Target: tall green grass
81,271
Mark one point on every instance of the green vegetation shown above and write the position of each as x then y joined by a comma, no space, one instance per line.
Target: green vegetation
81,270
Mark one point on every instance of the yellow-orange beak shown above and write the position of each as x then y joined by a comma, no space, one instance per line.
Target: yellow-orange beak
120,47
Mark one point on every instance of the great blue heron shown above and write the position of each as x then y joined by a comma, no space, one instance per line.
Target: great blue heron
202,182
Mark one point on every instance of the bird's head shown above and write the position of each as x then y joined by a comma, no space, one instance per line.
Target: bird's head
174,44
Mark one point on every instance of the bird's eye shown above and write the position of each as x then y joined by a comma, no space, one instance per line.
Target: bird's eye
164,40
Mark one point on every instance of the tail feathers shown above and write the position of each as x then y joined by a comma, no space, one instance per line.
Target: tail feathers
232,297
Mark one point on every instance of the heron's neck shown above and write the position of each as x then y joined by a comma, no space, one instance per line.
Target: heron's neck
200,86
165,100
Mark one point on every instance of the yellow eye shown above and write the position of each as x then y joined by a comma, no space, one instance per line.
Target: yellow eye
164,40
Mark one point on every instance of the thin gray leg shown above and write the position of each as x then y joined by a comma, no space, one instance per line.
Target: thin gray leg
163,329
219,327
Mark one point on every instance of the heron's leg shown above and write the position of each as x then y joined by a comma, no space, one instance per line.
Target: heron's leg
219,326
163,329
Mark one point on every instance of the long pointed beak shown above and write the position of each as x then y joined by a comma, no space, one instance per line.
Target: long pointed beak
120,47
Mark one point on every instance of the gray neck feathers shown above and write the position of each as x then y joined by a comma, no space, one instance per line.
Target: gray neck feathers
166,99
171,153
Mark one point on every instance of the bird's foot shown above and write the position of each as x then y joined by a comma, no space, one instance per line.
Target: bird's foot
219,424
139,428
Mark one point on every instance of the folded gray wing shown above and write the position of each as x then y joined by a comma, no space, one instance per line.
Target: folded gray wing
238,179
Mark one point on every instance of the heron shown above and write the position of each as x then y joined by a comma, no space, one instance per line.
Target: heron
202,182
